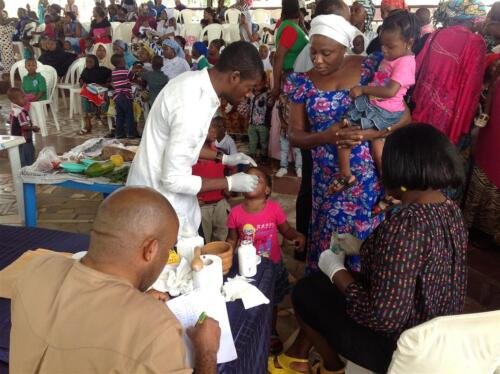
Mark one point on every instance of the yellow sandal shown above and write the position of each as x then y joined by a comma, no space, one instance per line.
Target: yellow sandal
285,362
318,368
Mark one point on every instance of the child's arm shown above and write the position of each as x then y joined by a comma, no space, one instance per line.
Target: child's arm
384,92
232,238
291,234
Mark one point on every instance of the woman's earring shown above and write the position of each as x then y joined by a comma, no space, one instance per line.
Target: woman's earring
403,189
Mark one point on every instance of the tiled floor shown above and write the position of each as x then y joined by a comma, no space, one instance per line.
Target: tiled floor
72,210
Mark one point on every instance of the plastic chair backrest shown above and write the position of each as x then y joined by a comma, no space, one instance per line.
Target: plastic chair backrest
192,31
50,75
187,16
17,66
74,71
213,31
177,15
232,16
261,16
124,32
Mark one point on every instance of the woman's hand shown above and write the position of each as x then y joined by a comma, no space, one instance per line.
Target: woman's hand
330,135
353,136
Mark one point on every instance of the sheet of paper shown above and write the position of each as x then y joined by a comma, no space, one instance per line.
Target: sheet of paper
187,308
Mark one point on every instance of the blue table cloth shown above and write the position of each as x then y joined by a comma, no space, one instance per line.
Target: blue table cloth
251,328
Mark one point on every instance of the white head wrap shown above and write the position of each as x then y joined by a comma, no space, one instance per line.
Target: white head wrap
329,25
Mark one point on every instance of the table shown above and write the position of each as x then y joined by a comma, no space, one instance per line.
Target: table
29,193
11,144
251,328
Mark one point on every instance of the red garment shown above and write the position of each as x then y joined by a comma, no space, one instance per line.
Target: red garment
395,4
487,155
288,37
50,30
140,21
450,71
209,169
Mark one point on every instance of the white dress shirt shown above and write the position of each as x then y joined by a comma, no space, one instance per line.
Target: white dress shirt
174,67
227,145
175,131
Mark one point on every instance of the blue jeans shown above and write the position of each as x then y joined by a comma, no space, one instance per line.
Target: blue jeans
124,117
285,148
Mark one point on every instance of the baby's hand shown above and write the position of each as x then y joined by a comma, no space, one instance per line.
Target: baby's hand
299,242
161,296
35,128
356,92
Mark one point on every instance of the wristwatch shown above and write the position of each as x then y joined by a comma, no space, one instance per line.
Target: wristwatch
218,157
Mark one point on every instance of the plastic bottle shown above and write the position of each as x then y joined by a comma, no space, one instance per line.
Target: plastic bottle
247,259
186,242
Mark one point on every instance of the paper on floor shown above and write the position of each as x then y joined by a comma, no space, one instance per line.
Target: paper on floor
187,308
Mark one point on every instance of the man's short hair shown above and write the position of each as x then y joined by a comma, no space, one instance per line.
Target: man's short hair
243,57
116,59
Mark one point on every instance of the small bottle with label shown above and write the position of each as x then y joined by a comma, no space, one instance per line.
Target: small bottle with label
247,259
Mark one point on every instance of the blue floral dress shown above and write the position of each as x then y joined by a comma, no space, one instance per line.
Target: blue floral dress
349,211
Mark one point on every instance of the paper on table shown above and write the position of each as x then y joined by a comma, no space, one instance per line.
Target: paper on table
187,308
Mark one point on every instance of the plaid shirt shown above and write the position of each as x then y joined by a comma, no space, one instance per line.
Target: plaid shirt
20,123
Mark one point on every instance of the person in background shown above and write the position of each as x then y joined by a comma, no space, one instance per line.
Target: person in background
93,103
122,96
88,45
179,5
248,34
71,7
50,27
214,50
213,204
41,9
386,7
145,56
285,148
67,47
121,48
221,11
424,20
154,80
223,141
121,14
362,13
199,56
100,28
130,6
264,55
129,246
20,125
103,54
174,62
112,11
34,84
143,20
72,30
259,118
258,220
159,7
56,57
450,70
209,17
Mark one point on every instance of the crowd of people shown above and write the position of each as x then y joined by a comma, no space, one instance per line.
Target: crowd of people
392,132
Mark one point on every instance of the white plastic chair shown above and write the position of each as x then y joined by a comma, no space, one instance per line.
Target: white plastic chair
232,16
213,31
261,16
276,14
124,32
177,15
70,83
192,32
234,34
187,16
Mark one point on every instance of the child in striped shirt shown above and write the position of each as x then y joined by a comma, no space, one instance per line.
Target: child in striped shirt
122,96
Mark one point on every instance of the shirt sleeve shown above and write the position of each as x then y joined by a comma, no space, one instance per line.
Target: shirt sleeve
404,71
288,37
231,219
166,354
386,305
279,213
183,142
232,147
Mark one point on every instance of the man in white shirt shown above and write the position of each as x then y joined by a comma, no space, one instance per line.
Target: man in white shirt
177,127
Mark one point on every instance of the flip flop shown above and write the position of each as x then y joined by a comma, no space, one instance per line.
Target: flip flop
285,362
384,204
318,368
341,183
276,345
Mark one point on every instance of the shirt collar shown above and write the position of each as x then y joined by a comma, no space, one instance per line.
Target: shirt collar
208,88
16,109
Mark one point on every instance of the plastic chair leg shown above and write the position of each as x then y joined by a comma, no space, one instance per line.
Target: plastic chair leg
110,123
71,104
54,114
65,103
36,113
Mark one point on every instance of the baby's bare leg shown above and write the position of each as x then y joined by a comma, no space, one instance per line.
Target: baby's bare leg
377,147
344,161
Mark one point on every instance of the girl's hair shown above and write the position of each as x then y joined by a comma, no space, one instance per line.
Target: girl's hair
403,21
290,9
218,43
95,59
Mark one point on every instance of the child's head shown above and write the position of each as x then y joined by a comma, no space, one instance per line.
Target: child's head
358,44
199,49
181,41
264,187
30,65
101,52
215,127
145,23
262,85
143,55
89,42
118,61
119,47
91,62
423,16
214,49
398,33
67,46
51,45
157,63
17,96
48,18
264,51
172,22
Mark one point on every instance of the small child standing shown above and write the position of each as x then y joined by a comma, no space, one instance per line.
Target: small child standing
283,109
20,125
34,84
259,220
155,80
122,96
395,75
213,204
199,56
424,21
224,142
259,117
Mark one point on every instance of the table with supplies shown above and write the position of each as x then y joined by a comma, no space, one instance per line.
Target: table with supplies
250,328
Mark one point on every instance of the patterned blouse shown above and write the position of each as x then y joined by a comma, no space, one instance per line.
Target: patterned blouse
413,269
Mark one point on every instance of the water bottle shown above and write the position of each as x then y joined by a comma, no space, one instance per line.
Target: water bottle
247,259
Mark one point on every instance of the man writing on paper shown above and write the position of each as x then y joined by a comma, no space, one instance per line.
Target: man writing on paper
92,316
177,127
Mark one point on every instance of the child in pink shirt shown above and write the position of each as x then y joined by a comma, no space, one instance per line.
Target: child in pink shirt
259,219
380,105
